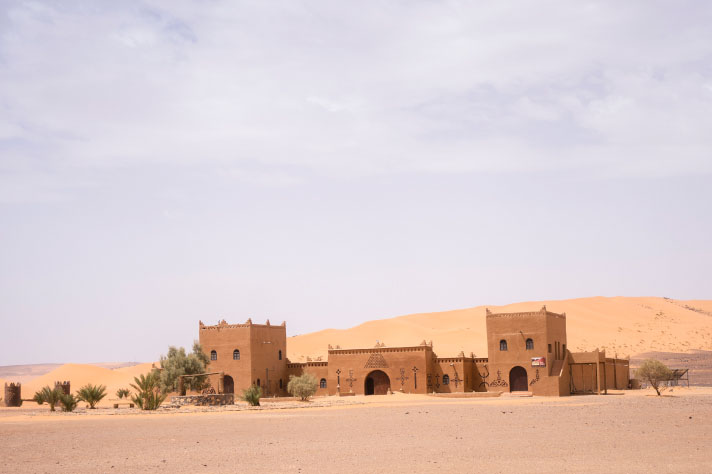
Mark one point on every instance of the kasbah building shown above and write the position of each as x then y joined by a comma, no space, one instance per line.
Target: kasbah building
527,354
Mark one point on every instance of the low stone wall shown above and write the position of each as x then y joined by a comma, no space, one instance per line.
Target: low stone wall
205,400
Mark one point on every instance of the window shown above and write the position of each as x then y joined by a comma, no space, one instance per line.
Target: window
530,345
280,384
236,355
280,354
258,382
322,383
502,345
563,353
446,379
213,355
549,348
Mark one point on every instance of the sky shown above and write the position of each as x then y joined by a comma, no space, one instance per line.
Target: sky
326,163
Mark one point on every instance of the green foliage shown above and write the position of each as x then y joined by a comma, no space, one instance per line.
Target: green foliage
303,386
178,363
655,373
123,393
148,391
68,401
252,395
92,394
50,396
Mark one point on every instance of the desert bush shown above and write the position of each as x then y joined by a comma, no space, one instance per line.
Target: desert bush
92,394
655,373
50,396
178,363
123,393
68,401
252,395
303,386
148,391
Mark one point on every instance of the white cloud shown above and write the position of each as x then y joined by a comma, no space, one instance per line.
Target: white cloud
359,88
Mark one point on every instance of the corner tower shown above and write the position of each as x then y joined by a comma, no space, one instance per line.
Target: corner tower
526,351
246,354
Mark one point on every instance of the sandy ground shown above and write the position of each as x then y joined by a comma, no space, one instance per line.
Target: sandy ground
630,432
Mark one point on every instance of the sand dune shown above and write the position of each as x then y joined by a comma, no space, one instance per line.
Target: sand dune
82,374
622,325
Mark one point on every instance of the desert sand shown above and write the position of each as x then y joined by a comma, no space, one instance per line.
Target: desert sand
620,325
630,432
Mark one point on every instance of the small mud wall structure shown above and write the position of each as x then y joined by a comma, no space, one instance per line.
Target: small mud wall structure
13,395
64,387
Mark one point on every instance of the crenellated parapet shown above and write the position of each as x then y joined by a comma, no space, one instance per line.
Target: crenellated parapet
542,312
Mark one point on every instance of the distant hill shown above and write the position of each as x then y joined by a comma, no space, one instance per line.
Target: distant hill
620,325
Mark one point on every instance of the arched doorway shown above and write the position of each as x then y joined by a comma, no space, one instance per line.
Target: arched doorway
518,379
377,383
228,384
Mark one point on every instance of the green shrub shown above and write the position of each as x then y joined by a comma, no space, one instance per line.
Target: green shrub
148,392
123,393
303,386
655,373
252,395
92,394
68,401
50,396
178,363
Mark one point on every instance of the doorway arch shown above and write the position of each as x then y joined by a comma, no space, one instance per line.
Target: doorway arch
228,384
377,383
518,379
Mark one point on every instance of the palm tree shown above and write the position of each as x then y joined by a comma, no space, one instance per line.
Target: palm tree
148,393
51,396
92,394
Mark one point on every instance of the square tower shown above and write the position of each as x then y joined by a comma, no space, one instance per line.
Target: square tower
524,347
246,354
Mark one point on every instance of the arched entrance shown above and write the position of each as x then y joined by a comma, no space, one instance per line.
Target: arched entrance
377,383
518,379
228,384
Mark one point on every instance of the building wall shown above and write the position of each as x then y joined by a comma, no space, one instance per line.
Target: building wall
348,368
320,370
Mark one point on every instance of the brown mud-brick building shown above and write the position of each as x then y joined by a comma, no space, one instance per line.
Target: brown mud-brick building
527,353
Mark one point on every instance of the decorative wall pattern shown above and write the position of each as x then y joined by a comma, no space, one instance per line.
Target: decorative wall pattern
376,361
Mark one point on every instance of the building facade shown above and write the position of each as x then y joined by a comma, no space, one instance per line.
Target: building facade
527,353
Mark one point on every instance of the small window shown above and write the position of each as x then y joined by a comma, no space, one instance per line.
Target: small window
564,351
446,379
502,345
280,354
213,355
322,383
258,382
530,345
280,384
549,348
236,355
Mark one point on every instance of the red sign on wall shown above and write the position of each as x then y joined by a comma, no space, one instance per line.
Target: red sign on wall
538,361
